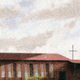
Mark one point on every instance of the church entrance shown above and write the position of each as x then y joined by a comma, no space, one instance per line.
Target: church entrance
62,75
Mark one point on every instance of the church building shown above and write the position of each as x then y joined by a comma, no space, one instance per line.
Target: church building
19,66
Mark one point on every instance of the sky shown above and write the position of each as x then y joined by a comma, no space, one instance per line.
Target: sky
40,26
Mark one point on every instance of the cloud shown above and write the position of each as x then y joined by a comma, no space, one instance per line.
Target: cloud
2,25
9,2
29,29
71,24
58,44
32,28
43,4
45,41
65,11
7,12
27,43
70,10
50,26
73,30
48,4
53,42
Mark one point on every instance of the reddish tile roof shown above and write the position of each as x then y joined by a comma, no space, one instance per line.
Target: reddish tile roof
35,56
31,56
48,57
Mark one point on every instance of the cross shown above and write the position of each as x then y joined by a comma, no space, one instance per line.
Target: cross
72,51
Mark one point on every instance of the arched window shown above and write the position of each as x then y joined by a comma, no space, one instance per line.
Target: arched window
9,70
36,70
42,69
3,70
52,70
26,70
14,70
19,70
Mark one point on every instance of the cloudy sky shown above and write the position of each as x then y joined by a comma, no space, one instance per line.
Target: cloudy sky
40,26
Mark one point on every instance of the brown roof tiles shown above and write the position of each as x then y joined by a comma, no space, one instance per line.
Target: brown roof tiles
31,56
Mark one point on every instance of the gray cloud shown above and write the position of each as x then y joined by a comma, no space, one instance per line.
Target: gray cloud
73,30
70,10
71,24
7,12
26,43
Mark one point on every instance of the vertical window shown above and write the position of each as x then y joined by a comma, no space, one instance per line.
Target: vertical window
26,70
14,69
47,69
3,71
42,69
31,69
36,69
52,70
19,70
9,70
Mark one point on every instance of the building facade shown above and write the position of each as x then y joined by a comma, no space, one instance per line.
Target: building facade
19,66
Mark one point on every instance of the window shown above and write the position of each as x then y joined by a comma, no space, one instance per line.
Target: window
14,69
52,70
26,70
19,70
42,69
3,71
9,70
36,69
47,69
31,69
